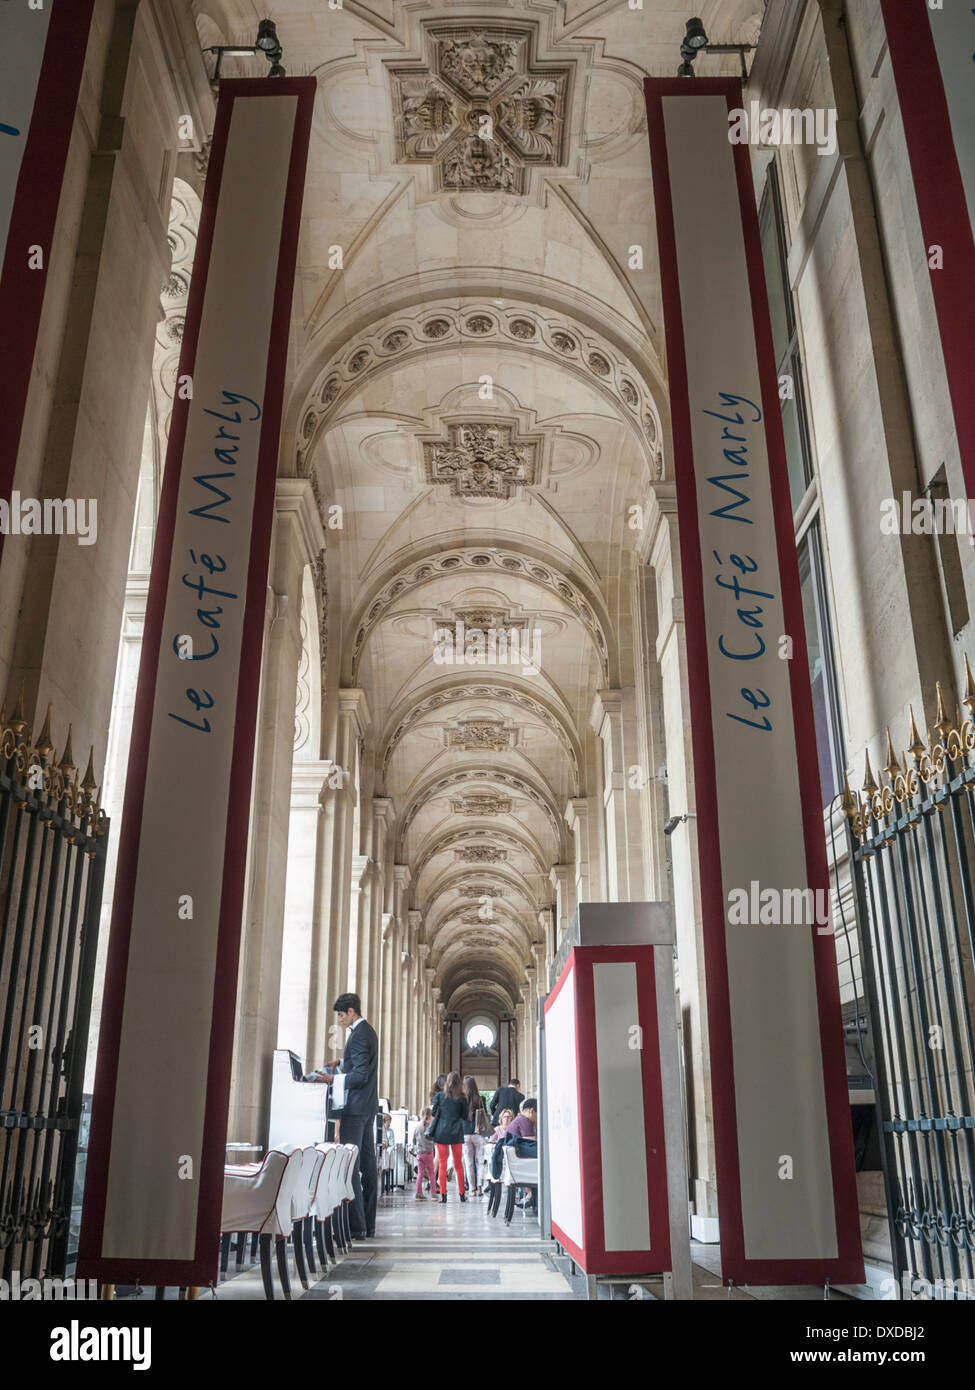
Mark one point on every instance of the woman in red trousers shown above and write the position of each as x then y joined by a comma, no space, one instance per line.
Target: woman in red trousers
447,1131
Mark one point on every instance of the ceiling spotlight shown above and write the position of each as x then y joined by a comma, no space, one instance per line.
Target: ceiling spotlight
267,39
267,42
694,35
685,69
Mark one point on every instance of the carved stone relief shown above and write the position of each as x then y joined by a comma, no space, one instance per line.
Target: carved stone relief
480,734
480,112
482,460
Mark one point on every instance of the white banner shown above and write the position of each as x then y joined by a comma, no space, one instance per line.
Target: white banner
155,1174
786,1191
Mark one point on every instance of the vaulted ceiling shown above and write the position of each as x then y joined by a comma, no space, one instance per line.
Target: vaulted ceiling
478,382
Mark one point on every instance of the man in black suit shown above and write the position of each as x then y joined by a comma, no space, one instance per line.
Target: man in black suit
506,1098
358,1119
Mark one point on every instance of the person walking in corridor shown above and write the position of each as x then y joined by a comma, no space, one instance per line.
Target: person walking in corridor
447,1131
425,1151
507,1097
476,1126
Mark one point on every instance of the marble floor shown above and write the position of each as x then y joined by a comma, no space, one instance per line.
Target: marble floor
425,1250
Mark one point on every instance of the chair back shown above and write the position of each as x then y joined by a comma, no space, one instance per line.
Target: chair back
304,1193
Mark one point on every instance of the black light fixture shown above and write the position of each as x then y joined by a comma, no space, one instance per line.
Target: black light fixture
694,35
270,46
695,39
267,42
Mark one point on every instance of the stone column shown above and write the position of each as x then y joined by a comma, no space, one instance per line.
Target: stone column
382,895
359,928
395,1025
577,819
562,879
613,718
297,538
409,1026
384,1015
541,958
529,994
416,1061
353,720
309,785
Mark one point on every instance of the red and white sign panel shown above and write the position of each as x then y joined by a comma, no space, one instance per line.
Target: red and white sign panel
786,1183
931,52
605,1125
42,53
154,1183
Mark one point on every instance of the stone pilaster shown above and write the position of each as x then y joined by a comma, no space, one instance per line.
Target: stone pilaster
297,538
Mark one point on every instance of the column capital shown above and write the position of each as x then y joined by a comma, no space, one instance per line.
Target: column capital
389,927
416,920
422,952
605,703
576,813
361,864
659,505
354,705
383,808
309,782
294,499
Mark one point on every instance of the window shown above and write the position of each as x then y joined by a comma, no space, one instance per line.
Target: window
480,1034
785,338
805,501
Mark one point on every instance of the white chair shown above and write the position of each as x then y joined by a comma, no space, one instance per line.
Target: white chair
257,1198
351,1152
517,1172
302,1203
327,1199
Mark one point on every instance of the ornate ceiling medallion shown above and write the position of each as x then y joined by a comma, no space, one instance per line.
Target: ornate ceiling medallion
481,111
484,804
481,459
471,734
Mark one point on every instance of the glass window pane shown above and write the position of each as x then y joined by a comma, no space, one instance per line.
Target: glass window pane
813,615
774,278
795,457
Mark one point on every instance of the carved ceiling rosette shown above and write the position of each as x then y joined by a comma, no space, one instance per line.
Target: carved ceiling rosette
480,111
481,459
480,854
485,805
480,734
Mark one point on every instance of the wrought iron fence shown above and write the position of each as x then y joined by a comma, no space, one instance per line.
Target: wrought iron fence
53,840
913,847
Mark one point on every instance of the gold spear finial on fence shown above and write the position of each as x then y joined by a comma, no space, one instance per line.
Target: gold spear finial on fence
44,745
968,699
18,723
869,785
892,767
88,783
67,757
916,747
942,723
